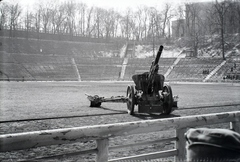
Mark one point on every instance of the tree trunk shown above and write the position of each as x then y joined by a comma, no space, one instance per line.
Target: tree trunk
222,38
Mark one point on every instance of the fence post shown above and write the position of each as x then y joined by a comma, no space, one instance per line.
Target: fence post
102,147
235,125
180,145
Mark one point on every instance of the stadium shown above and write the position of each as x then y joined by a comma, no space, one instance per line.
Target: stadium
50,60
46,116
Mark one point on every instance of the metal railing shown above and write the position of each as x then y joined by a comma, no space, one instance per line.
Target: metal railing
102,133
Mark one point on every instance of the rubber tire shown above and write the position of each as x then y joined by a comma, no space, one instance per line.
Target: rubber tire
168,100
131,99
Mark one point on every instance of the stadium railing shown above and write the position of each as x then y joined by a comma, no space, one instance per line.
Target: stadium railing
102,133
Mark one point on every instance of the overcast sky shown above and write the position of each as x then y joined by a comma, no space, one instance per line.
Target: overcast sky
119,5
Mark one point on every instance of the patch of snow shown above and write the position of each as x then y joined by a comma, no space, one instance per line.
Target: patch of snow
122,51
141,52
144,55
107,54
146,51
171,53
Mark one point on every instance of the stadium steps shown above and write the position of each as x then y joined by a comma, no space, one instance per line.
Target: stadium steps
44,68
191,69
111,72
76,69
123,70
53,72
228,70
6,58
214,71
60,48
14,71
130,50
172,66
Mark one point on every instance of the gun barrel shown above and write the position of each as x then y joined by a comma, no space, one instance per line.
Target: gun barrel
158,55
153,66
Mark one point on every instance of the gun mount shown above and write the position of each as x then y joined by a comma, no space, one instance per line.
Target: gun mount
149,93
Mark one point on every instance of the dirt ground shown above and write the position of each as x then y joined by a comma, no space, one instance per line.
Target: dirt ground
33,100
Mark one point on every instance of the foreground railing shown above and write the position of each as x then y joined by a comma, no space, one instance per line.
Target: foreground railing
102,133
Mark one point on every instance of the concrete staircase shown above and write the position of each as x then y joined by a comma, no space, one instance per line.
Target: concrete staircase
129,53
76,69
124,65
172,66
130,50
214,71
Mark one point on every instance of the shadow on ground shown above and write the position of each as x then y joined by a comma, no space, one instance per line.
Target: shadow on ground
154,116
104,108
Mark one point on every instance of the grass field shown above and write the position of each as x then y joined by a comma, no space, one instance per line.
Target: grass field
32,100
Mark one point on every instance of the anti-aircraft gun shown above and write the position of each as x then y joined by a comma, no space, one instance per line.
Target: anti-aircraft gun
149,93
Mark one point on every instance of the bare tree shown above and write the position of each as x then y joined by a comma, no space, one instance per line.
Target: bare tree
210,20
152,26
4,11
167,15
238,14
103,23
15,11
146,19
158,24
46,16
220,12
193,25
80,18
37,19
126,24
58,16
28,21
117,18
109,22
139,20
179,12
232,17
99,23
131,27
113,16
70,16
90,25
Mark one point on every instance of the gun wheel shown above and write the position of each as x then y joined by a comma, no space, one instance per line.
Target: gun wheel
131,99
168,100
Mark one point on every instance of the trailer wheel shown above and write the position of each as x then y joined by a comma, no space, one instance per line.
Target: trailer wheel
168,100
131,99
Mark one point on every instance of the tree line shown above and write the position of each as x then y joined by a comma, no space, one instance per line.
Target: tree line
218,18
77,18
144,23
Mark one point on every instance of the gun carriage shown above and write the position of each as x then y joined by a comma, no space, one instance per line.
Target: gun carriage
149,93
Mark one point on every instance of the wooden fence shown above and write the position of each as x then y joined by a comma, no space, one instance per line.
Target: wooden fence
102,133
